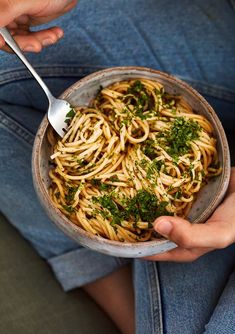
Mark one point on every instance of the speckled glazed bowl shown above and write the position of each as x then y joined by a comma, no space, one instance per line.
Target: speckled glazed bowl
81,93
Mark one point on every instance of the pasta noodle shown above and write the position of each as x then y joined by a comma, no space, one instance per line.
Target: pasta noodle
134,154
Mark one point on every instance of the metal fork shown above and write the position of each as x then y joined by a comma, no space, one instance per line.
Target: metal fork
58,109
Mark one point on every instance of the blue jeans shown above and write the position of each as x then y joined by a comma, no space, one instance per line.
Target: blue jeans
193,40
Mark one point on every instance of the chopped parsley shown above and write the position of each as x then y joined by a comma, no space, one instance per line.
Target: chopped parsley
159,91
178,194
149,150
82,162
69,116
138,97
68,208
144,206
180,135
114,179
109,204
100,185
154,167
71,191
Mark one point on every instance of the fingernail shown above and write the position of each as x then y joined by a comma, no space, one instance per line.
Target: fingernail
164,227
60,33
29,48
47,42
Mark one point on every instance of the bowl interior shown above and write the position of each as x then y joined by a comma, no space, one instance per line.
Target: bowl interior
81,93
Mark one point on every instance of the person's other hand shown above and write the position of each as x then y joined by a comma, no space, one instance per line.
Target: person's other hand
194,240
19,15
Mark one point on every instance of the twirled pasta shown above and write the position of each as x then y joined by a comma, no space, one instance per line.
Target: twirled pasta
136,153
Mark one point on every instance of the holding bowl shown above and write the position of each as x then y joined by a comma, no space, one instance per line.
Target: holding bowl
81,94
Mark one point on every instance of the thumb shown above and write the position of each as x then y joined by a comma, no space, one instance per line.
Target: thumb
213,234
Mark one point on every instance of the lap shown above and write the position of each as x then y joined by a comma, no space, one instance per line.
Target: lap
18,202
193,40
192,297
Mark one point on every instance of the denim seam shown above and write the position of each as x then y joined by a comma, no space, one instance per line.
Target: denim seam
160,318
74,71
156,308
151,301
16,129
47,71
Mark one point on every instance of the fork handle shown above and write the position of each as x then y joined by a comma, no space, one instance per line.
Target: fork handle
14,46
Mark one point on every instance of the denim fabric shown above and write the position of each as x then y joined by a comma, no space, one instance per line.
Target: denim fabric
193,40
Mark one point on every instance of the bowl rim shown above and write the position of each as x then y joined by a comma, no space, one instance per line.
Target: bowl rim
67,225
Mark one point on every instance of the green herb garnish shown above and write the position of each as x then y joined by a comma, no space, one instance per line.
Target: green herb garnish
100,185
181,134
144,206
149,149
69,197
68,208
69,116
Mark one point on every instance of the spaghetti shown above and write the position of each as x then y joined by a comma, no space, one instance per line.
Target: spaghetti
135,154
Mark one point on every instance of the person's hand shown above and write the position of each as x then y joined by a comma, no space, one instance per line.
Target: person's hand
19,15
194,240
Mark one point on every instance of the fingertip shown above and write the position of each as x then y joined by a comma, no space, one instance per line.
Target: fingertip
172,219
164,227
161,218
52,37
59,32
37,50
37,47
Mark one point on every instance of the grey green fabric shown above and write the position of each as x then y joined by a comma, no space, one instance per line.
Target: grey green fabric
32,301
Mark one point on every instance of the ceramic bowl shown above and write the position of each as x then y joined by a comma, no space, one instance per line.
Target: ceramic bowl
81,93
